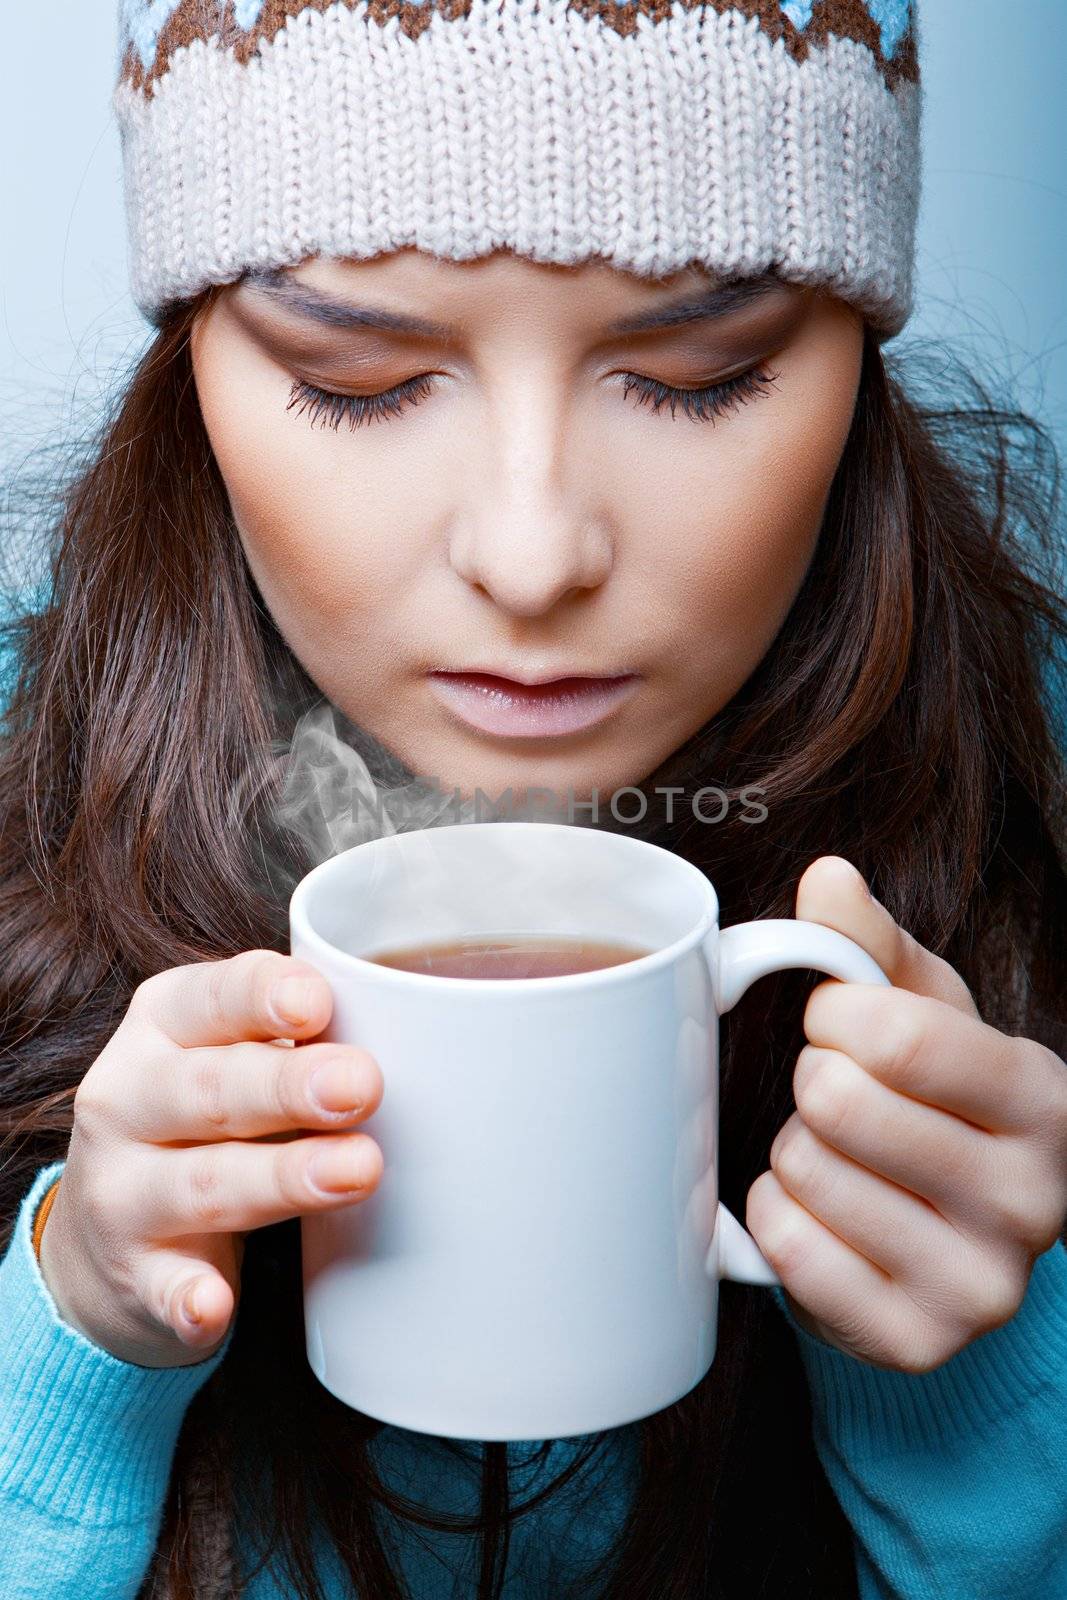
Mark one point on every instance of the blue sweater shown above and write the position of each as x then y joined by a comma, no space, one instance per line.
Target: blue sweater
954,1481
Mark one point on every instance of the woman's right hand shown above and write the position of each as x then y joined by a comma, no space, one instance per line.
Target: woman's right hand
183,1141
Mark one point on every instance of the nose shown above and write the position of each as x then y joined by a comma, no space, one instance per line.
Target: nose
524,537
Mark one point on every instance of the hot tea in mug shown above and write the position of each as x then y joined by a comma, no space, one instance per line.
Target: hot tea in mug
514,957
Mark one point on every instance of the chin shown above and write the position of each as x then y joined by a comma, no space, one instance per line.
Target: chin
570,774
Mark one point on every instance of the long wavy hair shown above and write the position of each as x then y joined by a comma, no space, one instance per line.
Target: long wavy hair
904,717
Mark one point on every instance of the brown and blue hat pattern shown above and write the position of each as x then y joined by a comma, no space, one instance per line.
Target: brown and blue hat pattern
152,30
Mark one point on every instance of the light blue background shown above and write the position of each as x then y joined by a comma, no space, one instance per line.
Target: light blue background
993,225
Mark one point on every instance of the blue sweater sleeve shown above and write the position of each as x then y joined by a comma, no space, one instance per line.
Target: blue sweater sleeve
954,1481
86,1441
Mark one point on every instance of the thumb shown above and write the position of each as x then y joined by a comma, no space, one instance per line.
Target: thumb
832,892
188,1296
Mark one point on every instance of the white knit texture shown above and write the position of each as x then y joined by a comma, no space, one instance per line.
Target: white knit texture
696,139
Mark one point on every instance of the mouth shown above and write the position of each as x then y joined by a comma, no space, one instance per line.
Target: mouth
504,706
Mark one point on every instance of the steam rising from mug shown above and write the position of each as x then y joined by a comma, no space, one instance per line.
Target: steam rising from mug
331,798
338,786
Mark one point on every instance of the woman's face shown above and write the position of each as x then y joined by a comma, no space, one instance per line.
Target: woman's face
523,507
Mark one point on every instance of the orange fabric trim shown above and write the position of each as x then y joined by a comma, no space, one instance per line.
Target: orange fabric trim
42,1217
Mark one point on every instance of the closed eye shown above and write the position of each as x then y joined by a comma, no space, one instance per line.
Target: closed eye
332,409
701,404
706,403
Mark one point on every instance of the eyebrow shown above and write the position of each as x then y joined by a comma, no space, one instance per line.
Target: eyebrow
312,303
719,301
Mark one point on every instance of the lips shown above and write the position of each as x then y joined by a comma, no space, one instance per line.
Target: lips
502,706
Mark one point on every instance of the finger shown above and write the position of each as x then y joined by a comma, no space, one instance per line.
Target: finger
924,1150
256,994
909,1327
892,1227
926,1050
235,1187
242,1091
163,1281
833,892
832,1282
987,1187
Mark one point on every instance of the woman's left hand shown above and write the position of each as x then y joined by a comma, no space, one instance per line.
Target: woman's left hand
925,1167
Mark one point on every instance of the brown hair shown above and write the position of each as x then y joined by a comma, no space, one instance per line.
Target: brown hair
901,718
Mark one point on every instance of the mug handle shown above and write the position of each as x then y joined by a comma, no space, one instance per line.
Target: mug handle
748,951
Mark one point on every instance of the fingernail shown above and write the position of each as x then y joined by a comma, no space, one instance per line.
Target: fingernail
292,998
338,1169
190,1310
336,1086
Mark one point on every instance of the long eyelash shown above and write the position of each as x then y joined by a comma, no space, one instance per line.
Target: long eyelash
702,405
334,408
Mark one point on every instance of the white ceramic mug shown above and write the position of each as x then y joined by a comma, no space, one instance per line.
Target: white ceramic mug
542,1254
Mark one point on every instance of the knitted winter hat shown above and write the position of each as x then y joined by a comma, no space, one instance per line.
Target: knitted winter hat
735,134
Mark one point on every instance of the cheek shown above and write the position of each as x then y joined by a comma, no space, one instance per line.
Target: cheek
740,515
311,525
765,516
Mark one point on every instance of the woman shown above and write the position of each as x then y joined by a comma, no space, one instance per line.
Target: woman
534,343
